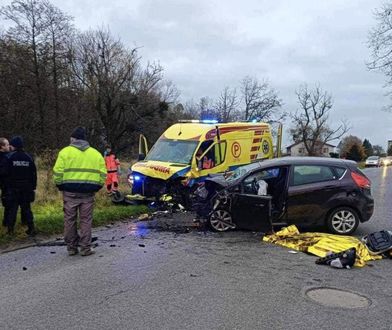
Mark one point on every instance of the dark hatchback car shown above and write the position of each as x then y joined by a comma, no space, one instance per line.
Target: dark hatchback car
300,190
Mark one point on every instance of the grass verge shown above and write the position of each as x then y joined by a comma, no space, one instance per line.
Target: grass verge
49,217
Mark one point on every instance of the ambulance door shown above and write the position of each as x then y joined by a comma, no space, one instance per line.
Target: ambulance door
143,147
212,160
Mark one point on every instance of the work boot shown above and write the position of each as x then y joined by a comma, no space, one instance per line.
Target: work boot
85,253
73,252
31,231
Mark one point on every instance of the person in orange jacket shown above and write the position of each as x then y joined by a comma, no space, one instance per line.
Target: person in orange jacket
112,167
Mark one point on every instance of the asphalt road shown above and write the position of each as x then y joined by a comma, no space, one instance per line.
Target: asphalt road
143,278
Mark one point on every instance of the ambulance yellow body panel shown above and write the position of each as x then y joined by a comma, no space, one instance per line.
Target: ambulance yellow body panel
184,149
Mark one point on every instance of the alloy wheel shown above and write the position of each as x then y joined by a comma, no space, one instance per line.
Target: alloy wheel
343,221
221,220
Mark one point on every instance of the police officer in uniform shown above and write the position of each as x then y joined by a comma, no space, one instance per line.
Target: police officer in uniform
19,183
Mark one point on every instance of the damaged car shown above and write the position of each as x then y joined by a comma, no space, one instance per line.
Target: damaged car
292,190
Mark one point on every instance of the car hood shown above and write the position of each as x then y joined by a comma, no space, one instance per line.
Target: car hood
219,180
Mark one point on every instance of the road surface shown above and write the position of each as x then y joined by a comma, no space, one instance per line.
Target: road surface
142,278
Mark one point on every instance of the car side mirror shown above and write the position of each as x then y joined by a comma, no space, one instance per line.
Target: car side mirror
141,157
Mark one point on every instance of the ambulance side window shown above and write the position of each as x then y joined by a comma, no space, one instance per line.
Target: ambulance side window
220,153
215,155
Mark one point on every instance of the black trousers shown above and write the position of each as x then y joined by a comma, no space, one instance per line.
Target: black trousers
12,200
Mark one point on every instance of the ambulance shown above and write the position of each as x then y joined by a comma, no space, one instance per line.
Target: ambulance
189,151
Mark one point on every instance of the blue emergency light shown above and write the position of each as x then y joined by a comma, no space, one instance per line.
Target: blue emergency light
209,121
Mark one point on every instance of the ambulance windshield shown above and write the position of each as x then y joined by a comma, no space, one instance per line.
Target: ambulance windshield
173,151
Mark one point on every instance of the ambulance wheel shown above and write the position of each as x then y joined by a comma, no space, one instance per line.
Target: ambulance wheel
343,221
221,220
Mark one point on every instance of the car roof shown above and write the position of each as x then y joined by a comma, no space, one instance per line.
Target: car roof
286,161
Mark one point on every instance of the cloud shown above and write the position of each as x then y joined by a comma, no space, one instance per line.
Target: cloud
206,45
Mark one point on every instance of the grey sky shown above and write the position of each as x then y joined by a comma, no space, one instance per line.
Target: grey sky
206,45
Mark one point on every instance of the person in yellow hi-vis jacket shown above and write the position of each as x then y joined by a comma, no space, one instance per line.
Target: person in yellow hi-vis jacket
79,173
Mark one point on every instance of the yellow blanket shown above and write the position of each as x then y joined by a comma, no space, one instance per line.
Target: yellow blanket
320,243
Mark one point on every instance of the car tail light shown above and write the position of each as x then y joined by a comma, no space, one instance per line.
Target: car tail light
360,180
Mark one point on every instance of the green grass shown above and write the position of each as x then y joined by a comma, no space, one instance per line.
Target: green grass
48,217
48,207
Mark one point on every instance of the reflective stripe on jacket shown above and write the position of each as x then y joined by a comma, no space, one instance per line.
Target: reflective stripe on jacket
79,170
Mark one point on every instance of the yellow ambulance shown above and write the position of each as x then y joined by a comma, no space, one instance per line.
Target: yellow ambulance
189,151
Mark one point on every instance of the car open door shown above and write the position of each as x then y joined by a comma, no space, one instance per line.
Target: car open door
143,147
252,212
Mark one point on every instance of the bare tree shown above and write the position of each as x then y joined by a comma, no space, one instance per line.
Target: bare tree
310,122
227,105
380,42
28,29
59,31
261,102
125,97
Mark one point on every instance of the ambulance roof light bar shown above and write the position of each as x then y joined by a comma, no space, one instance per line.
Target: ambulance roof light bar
195,121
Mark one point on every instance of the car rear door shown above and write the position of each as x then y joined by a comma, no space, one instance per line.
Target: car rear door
310,189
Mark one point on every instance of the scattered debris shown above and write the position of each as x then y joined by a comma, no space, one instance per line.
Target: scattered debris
53,252
142,245
194,275
143,216
293,252
160,213
24,268
344,259
108,226
112,245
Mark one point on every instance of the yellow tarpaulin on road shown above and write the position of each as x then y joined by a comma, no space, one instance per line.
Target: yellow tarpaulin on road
320,244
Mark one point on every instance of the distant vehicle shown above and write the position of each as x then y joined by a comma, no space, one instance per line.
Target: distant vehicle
300,190
373,161
386,161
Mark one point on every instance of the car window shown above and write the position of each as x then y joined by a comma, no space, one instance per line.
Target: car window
340,171
249,184
264,174
304,174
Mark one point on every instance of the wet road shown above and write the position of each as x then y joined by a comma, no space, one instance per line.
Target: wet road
149,279
382,193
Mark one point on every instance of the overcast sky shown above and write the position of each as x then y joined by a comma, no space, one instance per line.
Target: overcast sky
205,45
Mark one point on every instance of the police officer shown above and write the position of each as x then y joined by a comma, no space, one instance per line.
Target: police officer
4,149
19,183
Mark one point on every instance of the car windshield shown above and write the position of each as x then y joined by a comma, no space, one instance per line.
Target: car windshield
172,151
241,171
373,158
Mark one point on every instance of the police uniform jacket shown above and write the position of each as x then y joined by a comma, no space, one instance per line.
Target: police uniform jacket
18,171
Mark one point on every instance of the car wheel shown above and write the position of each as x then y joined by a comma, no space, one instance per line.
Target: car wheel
343,221
221,220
